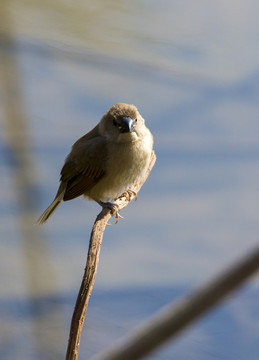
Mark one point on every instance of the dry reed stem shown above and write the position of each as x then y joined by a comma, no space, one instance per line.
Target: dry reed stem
169,322
91,268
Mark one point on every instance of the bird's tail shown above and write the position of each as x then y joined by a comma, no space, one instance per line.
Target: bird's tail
53,206
49,211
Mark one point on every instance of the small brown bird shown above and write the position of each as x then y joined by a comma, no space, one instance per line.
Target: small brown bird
107,161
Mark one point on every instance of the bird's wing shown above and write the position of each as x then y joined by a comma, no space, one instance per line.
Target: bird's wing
84,166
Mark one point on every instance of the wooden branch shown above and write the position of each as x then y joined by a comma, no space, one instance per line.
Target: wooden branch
91,268
169,322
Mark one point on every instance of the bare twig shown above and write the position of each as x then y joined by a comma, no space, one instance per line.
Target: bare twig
171,321
91,268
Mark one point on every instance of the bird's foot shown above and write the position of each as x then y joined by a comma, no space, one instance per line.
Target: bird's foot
114,209
127,194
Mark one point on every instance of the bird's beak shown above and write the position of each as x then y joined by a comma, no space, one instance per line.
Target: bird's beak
126,125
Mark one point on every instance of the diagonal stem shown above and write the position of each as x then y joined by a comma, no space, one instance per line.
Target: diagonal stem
85,291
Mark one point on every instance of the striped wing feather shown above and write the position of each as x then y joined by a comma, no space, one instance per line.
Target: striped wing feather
84,167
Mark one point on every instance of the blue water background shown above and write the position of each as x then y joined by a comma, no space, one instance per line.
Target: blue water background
192,69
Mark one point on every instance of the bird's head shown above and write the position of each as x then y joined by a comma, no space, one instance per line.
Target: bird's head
122,123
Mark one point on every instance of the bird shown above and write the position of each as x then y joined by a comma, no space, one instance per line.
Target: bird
106,162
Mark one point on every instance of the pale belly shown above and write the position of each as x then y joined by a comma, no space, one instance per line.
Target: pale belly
125,168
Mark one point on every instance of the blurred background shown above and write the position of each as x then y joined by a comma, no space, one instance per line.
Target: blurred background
192,69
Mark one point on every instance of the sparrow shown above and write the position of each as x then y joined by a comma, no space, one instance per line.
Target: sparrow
107,161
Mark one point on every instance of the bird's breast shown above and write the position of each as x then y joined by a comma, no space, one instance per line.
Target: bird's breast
126,165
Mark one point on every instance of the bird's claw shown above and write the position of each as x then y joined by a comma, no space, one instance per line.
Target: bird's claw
115,212
127,194
117,217
114,209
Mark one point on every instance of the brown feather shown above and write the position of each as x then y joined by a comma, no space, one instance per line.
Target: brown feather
80,184
85,165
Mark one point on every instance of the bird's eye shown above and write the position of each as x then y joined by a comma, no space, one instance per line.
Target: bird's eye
136,120
114,123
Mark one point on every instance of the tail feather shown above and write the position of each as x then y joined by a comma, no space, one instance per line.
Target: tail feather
53,206
49,211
